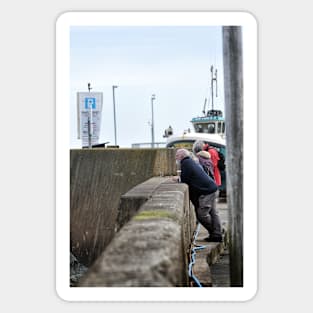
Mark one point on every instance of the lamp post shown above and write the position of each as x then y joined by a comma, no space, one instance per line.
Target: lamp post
113,88
152,122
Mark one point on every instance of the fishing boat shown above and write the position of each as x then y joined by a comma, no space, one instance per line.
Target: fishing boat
215,139
209,128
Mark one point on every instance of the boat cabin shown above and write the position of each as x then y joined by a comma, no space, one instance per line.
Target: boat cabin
212,123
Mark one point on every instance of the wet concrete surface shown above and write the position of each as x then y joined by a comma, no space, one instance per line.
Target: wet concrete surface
211,266
220,271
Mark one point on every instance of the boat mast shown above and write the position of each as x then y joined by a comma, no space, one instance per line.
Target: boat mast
212,82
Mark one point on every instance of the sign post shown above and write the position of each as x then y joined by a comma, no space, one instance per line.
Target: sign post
89,110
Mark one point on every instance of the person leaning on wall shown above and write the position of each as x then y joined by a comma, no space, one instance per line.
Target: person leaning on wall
202,193
203,157
215,158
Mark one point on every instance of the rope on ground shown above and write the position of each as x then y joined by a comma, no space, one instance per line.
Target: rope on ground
194,249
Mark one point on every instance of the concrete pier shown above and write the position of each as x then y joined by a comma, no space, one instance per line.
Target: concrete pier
152,249
98,178
131,226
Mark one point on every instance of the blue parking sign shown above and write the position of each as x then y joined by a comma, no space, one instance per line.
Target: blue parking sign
90,103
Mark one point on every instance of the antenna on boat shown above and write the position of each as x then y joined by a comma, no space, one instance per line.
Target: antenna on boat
216,82
205,101
212,82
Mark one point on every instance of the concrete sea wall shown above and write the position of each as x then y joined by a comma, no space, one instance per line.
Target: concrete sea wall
98,179
152,249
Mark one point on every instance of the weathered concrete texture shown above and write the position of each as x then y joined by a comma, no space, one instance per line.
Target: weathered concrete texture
98,178
221,271
132,200
211,254
188,217
150,250
201,270
204,258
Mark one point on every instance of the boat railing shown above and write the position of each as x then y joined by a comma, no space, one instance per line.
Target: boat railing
149,145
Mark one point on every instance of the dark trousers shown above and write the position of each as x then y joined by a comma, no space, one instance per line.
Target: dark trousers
207,215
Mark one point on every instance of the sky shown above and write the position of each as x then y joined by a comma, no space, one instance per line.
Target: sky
172,62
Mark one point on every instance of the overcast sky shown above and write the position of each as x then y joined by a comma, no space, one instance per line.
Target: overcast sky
171,62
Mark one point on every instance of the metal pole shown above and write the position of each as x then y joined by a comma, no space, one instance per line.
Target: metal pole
89,122
152,122
212,83
113,88
212,87
89,134
215,82
233,78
